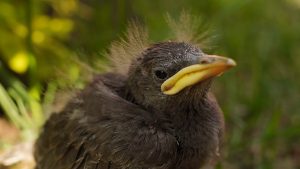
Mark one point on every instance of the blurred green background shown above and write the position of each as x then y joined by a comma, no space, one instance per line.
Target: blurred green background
50,45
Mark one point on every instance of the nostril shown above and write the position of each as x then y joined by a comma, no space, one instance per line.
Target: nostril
204,61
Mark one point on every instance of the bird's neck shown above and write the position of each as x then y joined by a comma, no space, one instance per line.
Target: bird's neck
197,123
192,109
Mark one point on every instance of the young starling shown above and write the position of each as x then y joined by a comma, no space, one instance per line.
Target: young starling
159,114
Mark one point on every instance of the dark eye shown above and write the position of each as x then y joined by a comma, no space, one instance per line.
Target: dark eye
160,74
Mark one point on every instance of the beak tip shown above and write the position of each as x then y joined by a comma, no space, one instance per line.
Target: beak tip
231,62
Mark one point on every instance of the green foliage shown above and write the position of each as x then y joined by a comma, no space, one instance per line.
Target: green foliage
23,107
42,40
16,111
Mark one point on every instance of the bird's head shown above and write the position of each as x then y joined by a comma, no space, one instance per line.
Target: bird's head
167,71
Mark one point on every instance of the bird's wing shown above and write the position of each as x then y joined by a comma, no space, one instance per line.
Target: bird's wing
100,129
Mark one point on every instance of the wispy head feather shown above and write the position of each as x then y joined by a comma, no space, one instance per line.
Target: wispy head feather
187,28
130,46
190,29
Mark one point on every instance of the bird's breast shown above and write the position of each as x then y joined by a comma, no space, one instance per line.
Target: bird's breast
198,140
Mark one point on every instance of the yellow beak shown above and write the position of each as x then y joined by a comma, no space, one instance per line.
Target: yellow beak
209,66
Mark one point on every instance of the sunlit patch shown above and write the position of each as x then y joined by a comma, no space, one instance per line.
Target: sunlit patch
21,31
38,37
68,6
7,9
61,25
19,62
295,3
41,22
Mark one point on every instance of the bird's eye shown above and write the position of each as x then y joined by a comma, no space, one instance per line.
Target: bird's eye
161,74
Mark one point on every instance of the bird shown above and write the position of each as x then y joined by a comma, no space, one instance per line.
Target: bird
154,111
